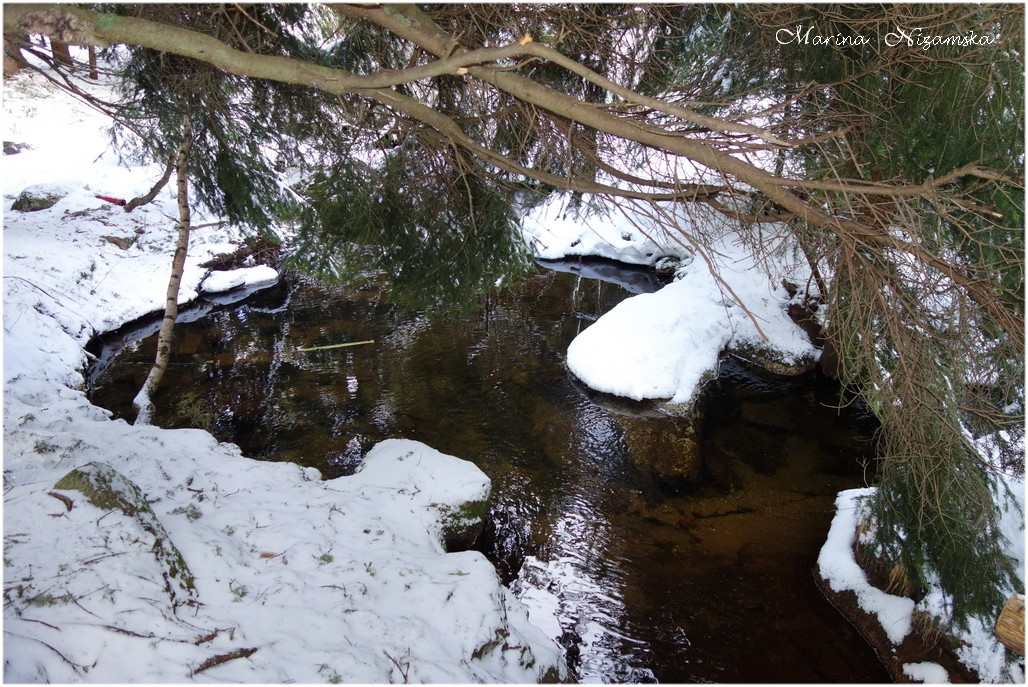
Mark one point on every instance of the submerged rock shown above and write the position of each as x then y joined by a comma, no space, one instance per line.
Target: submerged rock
662,438
667,448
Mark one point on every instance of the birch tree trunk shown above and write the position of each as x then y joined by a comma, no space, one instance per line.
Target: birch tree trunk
143,402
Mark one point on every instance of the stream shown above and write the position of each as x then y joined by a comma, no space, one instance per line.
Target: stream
639,581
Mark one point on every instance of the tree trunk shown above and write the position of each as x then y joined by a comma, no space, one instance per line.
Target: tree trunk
61,52
1010,625
143,402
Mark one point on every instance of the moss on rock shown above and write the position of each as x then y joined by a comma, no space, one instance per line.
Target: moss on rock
461,526
39,197
665,447
107,489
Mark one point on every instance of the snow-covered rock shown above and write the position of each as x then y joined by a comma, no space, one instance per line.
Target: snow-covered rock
40,197
978,648
226,280
664,345
554,230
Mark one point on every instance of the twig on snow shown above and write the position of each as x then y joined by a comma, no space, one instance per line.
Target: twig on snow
214,661
63,499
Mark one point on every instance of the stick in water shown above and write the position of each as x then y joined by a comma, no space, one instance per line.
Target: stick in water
342,345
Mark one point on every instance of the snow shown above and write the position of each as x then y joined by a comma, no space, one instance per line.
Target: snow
296,578
226,280
663,345
58,190
840,570
979,649
554,230
926,672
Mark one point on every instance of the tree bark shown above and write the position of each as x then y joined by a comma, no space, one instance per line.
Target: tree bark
143,402
93,73
61,52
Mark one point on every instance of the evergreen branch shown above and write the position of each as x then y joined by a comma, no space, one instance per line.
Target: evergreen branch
414,25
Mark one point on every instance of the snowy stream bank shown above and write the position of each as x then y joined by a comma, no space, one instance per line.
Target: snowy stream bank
294,579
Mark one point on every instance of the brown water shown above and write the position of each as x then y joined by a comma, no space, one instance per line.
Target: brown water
708,584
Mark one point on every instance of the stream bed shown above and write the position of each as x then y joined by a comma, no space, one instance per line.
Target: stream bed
711,582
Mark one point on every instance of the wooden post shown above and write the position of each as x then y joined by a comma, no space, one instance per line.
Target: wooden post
1010,625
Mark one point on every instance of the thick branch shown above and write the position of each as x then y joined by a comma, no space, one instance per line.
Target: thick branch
86,27
149,196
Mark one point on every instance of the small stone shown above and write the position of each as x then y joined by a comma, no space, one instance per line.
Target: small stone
123,242
11,148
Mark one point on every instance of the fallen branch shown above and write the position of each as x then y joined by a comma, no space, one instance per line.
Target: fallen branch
62,498
213,634
77,667
342,345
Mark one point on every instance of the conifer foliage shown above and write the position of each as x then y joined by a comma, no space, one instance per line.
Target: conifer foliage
245,129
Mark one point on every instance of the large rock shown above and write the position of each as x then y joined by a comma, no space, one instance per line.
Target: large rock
40,197
107,489
455,492
773,361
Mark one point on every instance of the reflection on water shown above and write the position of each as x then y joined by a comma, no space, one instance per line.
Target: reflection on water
632,279
638,584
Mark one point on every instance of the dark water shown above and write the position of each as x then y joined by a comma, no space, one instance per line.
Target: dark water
712,583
